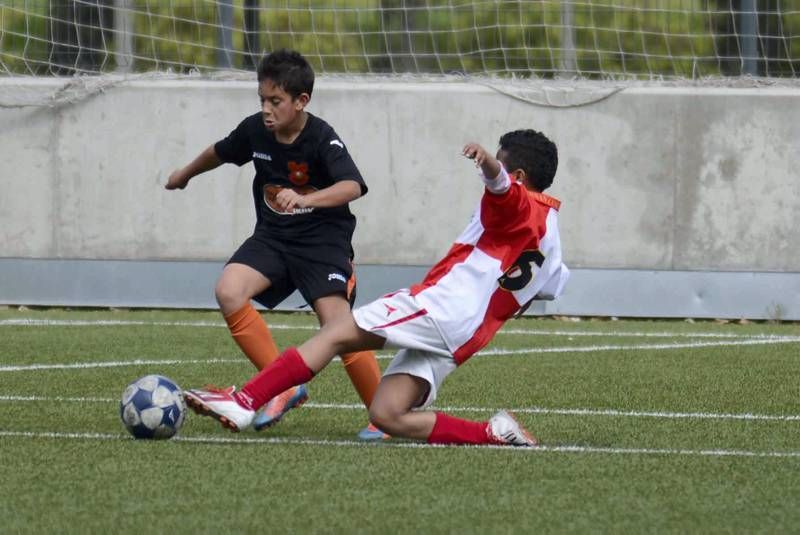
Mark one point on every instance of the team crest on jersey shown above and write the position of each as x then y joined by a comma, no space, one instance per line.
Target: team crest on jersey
298,173
270,192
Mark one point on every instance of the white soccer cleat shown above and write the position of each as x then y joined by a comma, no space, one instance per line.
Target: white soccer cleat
220,404
504,429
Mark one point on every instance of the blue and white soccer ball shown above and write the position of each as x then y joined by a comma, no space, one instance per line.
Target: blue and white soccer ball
152,407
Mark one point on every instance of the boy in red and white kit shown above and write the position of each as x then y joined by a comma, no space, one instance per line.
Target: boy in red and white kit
509,255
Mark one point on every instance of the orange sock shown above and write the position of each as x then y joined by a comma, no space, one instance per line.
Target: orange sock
364,372
252,334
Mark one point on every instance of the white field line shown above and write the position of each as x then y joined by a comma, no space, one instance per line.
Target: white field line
117,364
519,410
623,347
245,441
489,352
34,322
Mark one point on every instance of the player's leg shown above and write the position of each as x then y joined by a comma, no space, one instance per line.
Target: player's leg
255,269
316,281
341,335
236,410
300,364
502,429
329,286
237,284
361,366
296,366
325,286
364,372
413,380
392,408
265,256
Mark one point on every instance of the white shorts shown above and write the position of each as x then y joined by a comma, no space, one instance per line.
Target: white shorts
431,367
405,325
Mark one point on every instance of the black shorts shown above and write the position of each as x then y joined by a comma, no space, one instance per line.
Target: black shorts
314,272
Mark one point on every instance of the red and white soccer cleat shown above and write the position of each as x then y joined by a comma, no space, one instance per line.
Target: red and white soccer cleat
220,404
504,429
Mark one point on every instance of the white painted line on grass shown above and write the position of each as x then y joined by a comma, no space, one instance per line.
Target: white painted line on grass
590,412
636,414
639,347
36,322
115,364
499,352
245,441
519,410
638,334
666,451
58,399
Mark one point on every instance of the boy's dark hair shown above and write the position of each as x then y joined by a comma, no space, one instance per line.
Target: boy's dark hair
289,70
532,152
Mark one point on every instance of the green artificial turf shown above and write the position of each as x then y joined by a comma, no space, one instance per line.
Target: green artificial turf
646,426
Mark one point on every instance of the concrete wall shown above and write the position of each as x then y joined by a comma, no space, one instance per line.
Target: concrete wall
657,179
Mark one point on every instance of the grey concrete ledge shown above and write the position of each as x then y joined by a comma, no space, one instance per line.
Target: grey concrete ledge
590,292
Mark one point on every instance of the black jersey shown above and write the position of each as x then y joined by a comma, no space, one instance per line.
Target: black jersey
315,160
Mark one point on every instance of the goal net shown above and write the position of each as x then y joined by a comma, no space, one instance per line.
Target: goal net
619,40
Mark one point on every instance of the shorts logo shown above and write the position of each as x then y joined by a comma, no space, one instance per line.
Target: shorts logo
389,310
262,156
336,276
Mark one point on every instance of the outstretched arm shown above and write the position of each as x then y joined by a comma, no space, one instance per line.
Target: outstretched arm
488,163
495,178
205,161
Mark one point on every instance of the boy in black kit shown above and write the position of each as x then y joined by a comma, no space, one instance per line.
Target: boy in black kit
304,180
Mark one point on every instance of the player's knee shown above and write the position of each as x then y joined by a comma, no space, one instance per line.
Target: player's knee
386,418
383,422
229,296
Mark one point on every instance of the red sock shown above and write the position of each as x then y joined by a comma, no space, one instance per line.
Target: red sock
287,371
452,430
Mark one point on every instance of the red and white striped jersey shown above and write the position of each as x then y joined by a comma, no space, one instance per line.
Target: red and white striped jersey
509,254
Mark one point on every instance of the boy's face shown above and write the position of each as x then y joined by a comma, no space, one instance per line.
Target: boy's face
278,109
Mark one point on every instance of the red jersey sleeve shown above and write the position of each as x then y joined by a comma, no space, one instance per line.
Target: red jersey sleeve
505,211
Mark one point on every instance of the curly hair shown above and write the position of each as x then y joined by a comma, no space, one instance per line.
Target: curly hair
532,152
289,70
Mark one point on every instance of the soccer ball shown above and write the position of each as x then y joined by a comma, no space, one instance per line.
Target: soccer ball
152,407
